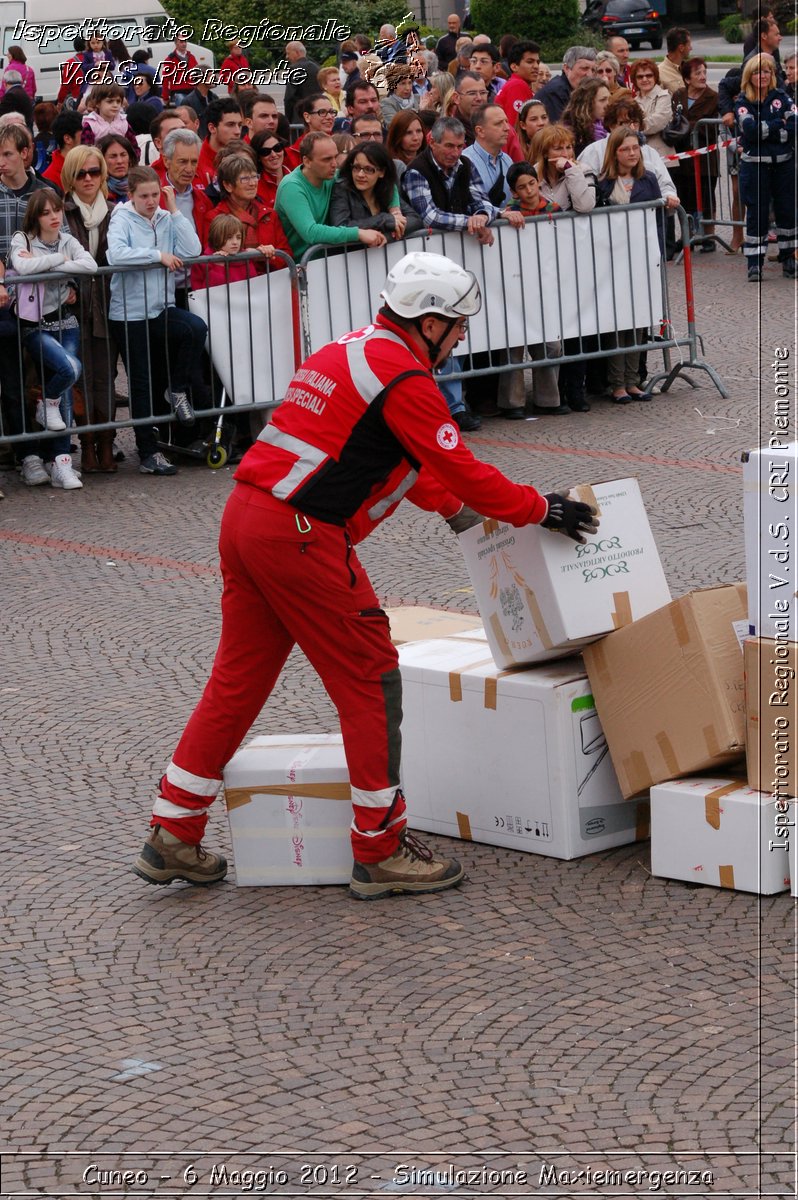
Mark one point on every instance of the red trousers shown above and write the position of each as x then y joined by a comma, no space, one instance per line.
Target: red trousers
287,580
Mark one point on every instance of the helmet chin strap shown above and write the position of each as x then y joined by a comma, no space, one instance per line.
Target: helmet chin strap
434,348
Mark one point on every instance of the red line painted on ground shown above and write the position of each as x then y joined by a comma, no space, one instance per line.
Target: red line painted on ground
694,464
112,552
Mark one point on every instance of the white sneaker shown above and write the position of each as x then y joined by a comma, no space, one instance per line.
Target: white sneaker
48,414
33,471
63,475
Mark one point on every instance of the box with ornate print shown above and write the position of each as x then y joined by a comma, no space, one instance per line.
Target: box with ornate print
290,809
543,596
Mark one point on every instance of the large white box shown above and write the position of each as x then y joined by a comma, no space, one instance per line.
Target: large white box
718,832
290,809
770,516
512,758
542,596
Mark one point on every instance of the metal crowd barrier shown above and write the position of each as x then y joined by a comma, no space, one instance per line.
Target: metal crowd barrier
335,297
576,279
718,200
248,363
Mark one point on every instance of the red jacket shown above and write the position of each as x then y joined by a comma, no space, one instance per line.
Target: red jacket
205,276
267,187
291,156
512,98
53,172
172,75
206,167
261,228
203,207
360,419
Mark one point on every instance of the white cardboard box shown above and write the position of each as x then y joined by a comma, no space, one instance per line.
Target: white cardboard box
512,758
718,832
542,596
289,806
770,516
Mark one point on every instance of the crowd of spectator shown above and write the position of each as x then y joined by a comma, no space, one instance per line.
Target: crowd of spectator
151,167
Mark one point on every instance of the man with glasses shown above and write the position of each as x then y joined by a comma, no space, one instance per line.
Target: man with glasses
484,61
362,426
317,115
171,75
303,201
368,128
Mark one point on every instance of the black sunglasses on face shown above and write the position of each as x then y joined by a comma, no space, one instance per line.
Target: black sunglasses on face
276,149
88,173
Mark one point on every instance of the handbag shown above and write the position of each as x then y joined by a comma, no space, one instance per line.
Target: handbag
677,132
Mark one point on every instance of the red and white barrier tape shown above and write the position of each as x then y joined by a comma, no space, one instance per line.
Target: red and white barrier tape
701,150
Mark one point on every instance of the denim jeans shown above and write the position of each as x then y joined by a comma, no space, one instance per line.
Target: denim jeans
55,356
157,354
451,388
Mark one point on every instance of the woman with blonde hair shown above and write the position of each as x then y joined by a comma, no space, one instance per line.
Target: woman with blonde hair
768,121
608,69
532,118
328,81
441,86
560,177
85,183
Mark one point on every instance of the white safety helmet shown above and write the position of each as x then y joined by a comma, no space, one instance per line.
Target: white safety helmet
422,283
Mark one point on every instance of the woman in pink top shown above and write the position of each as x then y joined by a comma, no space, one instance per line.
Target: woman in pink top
19,63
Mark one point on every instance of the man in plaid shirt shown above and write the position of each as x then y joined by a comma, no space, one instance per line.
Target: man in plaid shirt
444,189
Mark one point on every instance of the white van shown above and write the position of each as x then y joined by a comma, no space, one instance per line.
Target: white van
45,31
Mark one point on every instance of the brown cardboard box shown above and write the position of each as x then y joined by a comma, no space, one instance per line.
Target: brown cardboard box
771,733
669,689
413,623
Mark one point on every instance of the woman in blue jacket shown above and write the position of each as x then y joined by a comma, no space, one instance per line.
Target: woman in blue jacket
158,342
767,119
624,180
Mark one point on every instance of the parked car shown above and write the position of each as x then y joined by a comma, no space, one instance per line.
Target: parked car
626,18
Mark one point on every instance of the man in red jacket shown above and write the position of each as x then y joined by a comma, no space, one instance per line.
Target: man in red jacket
362,425
172,73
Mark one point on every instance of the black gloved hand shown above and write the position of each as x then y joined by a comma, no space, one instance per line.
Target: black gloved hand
465,519
571,517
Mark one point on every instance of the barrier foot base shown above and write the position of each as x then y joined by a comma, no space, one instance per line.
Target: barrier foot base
679,370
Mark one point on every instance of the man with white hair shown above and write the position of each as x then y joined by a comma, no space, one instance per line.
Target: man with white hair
362,426
579,62
297,57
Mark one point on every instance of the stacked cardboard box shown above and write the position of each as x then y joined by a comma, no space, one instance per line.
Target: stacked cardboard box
512,758
770,511
543,596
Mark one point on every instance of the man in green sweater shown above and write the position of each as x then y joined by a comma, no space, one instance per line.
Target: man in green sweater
303,201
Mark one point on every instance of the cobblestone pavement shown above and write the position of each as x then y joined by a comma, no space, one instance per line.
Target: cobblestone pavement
583,1013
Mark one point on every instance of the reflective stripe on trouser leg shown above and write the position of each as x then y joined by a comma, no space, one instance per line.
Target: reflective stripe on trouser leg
183,802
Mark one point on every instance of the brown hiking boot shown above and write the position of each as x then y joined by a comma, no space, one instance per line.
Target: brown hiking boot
413,868
164,858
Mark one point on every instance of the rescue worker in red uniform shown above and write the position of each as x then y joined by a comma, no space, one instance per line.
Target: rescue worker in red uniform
362,425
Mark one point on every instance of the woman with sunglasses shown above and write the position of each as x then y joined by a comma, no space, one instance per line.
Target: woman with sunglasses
270,152
364,194
84,180
655,102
